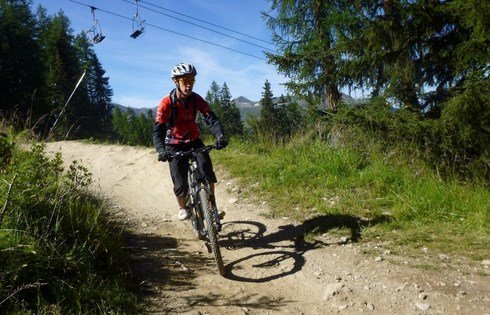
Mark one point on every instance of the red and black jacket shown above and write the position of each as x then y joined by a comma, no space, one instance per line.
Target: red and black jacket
176,120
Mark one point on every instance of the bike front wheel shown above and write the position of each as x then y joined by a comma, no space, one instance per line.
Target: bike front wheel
212,233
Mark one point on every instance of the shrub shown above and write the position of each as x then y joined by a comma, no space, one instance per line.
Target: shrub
59,250
456,144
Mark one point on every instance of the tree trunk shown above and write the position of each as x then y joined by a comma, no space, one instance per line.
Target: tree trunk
333,97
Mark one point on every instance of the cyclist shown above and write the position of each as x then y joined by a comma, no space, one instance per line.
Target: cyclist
176,130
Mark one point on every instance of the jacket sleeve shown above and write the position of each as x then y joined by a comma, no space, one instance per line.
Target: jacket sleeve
159,133
214,124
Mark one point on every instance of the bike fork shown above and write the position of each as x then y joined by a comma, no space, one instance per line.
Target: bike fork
195,221
212,200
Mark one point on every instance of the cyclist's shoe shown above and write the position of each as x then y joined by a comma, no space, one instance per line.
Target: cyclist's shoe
183,214
221,214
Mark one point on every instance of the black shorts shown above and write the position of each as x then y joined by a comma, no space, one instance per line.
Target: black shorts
179,166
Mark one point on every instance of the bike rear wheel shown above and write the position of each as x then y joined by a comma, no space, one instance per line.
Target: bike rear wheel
212,233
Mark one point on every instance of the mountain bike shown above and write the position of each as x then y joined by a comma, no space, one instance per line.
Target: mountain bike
201,205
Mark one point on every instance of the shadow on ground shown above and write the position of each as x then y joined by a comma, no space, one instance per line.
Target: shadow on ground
161,265
281,253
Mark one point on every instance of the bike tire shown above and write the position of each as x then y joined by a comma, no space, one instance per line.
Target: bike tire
211,230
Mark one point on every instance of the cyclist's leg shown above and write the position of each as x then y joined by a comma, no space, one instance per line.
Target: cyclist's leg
178,173
206,165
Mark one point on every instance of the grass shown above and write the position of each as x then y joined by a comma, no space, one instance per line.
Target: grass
60,253
392,197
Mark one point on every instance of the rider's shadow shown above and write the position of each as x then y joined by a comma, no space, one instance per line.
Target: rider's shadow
288,244
324,224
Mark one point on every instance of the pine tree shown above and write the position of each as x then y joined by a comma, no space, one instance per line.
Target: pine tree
63,72
117,121
267,122
229,113
294,115
418,54
304,32
103,94
133,129
130,132
84,54
213,98
21,88
288,117
97,85
143,135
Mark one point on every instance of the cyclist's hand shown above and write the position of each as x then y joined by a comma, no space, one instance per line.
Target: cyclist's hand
221,143
163,156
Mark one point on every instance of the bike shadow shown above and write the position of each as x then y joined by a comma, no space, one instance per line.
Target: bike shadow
281,253
160,264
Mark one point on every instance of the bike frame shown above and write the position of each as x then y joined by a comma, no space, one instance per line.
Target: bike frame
201,204
197,182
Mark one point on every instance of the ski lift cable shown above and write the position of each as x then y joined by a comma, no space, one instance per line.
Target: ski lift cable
209,23
203,27
173,32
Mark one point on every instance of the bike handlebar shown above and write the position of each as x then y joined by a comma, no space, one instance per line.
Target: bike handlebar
192,152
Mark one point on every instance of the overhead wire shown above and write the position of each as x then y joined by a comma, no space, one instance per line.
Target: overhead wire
206,22
197,25
170,31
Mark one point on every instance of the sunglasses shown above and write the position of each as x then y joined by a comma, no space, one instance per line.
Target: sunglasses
187,81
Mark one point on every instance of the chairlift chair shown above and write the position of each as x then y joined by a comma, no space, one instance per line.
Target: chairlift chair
138,24
95,30
137,31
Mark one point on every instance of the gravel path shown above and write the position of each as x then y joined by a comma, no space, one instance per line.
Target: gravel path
272,270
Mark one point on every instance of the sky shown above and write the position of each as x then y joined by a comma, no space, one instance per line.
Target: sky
194,31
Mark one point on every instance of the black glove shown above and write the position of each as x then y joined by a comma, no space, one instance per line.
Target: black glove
163,156
221,143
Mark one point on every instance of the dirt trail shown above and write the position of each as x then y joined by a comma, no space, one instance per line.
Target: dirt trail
271,271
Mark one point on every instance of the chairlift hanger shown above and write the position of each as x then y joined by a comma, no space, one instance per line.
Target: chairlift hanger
95,30
138,23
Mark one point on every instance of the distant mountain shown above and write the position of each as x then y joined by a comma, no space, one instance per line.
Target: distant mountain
252,108
137,111
243,102
242,99
246,106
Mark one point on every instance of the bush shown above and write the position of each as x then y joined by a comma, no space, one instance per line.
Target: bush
456,144
59,251
465,130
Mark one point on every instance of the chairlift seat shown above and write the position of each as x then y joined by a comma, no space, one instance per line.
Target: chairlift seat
136,33
98,38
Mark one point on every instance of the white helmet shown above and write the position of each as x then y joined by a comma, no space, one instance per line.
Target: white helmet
183,68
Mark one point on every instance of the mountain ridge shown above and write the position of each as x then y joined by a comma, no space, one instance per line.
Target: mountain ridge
246,106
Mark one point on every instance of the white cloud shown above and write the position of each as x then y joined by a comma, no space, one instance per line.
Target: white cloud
139,69
243,75
142,80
